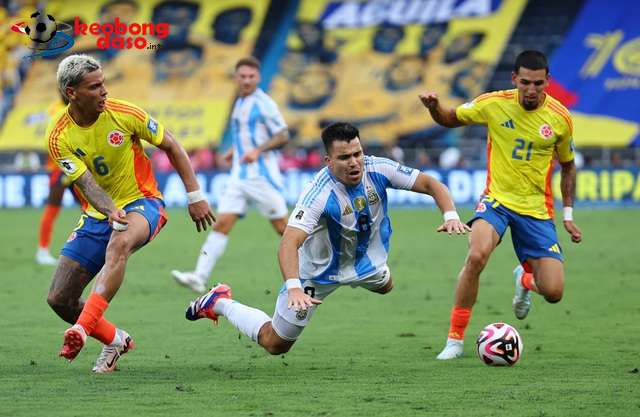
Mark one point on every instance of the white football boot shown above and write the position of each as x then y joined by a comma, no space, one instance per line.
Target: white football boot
522,298
191,280
452,350
110,354
44,257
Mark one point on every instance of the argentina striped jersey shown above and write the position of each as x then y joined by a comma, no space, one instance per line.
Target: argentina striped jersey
254,120
349,228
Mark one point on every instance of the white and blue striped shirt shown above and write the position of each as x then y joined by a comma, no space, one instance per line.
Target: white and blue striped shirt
254,120
348,227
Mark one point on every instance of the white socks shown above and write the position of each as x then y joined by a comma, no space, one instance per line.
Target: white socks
210,252
247,319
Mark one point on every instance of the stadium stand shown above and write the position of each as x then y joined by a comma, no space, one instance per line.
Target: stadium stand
322,61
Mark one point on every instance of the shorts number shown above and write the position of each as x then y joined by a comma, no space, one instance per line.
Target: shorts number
310,291
100,167
488,199
521,144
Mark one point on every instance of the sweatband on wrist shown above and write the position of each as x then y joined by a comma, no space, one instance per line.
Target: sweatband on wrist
293,283
119,227
195,196
567,214
450,215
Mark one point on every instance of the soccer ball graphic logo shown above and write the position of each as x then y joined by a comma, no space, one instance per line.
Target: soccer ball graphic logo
42,27
499,344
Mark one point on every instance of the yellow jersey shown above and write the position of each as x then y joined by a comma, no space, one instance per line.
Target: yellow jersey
520,148
53,109
111,149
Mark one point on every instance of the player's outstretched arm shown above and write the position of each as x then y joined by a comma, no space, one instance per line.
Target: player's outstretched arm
101,201
291,241
199,209
426,184
277,141
568,189
442,115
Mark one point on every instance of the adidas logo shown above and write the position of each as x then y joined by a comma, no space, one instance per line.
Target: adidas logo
509,124
555,248
347,211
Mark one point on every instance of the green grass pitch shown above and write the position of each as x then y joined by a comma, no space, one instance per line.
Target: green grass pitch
362,355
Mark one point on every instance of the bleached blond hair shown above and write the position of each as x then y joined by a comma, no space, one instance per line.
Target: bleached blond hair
72,69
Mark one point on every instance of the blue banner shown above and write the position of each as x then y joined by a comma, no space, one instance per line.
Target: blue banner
595,187
596,73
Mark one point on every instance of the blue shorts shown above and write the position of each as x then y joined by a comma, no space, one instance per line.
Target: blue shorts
531,237
87,244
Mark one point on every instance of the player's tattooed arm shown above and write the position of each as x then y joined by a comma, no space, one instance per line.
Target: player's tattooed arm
98,198
568,183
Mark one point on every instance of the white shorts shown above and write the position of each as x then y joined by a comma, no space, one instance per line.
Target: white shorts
238,193
288,324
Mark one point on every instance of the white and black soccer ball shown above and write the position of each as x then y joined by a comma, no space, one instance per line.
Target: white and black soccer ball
499,344
42,27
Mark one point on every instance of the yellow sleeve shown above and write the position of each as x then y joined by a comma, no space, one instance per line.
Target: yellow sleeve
472,112
564,145
141,123
60,152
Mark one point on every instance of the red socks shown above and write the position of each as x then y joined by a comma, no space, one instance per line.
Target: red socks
92,313
459,320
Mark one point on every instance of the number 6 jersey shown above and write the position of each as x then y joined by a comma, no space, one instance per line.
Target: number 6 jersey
111,149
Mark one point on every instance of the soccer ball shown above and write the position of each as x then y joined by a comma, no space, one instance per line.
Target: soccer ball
42,27
499,344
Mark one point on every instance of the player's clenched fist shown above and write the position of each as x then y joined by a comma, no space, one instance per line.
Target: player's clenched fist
429,100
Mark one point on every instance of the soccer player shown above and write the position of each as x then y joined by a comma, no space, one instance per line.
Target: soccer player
337,235
526,128
258,129
97,142
58,182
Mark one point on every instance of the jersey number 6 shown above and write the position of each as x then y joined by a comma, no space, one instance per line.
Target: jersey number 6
100,167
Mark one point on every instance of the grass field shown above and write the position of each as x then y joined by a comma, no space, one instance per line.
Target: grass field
362,355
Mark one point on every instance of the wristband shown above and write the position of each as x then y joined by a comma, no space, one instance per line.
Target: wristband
567,214
119,227
292,283
195,196
450,215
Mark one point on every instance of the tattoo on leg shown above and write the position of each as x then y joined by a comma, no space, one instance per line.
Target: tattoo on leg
69,281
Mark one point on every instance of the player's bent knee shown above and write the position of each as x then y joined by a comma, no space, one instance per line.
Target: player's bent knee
54,301
278,349
63,308
553,296
271,342
477,260
223,225
57,299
